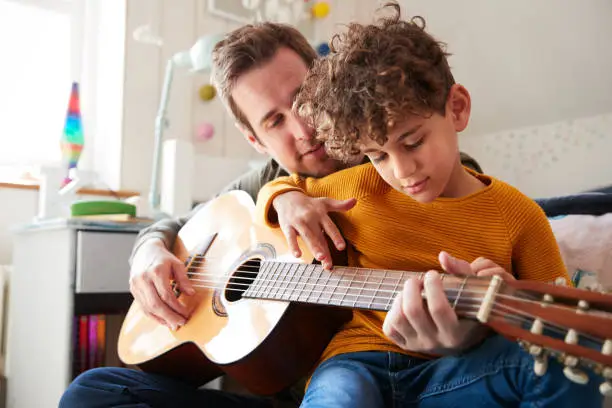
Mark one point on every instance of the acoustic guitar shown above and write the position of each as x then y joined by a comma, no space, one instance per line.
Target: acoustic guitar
264,317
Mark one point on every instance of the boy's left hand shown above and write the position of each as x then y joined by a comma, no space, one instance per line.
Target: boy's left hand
432,326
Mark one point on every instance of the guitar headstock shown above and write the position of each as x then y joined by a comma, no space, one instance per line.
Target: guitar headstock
572,325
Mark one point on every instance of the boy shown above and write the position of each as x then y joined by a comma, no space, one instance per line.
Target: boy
386,91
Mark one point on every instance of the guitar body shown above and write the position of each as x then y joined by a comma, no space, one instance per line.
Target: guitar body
265,345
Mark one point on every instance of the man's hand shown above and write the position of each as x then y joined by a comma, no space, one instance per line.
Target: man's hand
153,267
431,325
308,217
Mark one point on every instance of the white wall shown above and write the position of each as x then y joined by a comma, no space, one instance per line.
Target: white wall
539,77
526,62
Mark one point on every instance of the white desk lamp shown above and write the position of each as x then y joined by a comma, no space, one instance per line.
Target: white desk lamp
196,59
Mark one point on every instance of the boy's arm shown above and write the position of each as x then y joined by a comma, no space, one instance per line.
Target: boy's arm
536,255
264,209
286,203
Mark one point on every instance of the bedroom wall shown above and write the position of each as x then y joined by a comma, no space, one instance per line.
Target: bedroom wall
539,77
563,157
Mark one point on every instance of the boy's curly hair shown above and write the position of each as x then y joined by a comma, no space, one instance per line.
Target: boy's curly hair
374,76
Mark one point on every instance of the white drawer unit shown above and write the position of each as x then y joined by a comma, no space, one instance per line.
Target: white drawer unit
102,261
61,269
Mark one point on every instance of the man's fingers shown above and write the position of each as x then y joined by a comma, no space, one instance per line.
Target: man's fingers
334,233
453,265
154,307
180,276
178,312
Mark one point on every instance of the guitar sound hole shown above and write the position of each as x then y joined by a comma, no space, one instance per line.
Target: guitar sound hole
242,278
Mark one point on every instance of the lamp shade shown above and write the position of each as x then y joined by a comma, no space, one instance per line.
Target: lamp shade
199,56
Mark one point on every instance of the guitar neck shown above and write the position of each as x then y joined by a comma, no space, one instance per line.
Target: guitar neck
358,288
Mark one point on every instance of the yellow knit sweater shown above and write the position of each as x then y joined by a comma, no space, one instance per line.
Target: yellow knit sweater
389,230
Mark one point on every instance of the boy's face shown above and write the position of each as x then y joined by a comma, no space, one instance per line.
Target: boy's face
421,155
265,95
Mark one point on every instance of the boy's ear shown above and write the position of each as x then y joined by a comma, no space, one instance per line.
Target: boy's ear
251,139
459,106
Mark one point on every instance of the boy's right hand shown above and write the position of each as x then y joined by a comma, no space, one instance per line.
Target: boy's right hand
153,267
299,214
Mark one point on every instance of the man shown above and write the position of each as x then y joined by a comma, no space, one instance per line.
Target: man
258,70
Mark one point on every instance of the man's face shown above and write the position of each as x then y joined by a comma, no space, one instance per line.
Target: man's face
265,95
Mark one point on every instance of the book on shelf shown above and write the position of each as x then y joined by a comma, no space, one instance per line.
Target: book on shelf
95,342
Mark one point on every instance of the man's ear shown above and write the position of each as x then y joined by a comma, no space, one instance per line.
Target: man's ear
459,106
251,139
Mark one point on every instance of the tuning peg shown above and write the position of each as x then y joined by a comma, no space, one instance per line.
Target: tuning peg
605,388
540,365
540,359
576,375
572,373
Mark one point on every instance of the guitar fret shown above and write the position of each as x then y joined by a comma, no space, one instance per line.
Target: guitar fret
335,286
302,285
275,282
291,284
307,269
284,285
325,285
460,292
375,292
295,290
347,287
320,287
395,292
363,283
263,270
266,280
296,293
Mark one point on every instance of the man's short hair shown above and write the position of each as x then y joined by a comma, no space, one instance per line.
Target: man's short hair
249,47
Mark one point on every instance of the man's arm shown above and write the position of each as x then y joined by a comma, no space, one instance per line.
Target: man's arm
153,265
166,231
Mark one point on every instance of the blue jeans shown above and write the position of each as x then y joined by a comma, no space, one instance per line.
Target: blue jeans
498,373
125,388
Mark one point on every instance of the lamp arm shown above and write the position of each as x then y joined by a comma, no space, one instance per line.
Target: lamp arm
160,125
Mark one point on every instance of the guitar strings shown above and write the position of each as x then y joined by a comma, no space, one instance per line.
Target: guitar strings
474,280
462,305
245,269
386,301
255,270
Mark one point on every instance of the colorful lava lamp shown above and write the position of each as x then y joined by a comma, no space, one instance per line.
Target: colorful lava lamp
72,140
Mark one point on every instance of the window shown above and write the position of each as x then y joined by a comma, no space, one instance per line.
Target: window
39,61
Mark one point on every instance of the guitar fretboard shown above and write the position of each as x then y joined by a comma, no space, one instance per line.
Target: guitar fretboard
360,288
